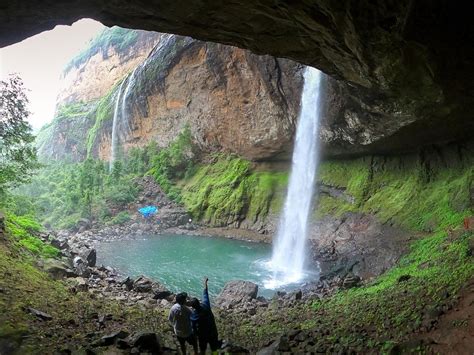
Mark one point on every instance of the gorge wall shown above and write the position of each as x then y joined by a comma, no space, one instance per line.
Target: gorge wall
232,100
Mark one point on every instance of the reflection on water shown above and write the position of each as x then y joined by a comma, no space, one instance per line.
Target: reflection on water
181,262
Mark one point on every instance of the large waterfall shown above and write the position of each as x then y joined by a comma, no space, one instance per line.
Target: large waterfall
289,248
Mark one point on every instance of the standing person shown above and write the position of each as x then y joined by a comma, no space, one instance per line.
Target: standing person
179,318
204,324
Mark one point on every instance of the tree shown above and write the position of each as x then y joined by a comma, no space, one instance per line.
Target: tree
17,152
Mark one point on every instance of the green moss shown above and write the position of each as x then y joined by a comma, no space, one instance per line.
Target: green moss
227,191
400,191
121,39
437,267
104,112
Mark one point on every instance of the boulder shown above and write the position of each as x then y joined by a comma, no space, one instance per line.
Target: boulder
90,256
60,244
143,284
80,267
146,342
111,339
235,292
57,269
161,292
128,283
79,284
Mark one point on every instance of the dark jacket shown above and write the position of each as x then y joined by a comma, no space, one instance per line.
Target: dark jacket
202,319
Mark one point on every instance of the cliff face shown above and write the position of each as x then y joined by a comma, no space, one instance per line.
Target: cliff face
90,76
232,100
407,66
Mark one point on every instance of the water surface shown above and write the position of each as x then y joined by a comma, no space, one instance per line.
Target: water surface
181,262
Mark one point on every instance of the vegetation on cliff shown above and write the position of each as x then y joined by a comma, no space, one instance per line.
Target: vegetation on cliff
121,39
227,191
425,192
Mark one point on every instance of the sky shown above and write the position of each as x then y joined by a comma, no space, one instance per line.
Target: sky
39,60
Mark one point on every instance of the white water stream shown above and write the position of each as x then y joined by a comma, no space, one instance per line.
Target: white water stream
288,257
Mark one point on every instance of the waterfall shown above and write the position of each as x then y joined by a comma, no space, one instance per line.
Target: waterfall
120,116
289,248
114,148
121,123
131,82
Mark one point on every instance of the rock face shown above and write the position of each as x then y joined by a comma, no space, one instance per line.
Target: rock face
231,99
407,66
356,244
93,73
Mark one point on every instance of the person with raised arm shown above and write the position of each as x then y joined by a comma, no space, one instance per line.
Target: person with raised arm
203,322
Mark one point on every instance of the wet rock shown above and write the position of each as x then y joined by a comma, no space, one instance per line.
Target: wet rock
128,283
160,292
237,291
143,284
60,244
80,267
110,339
79,284
2,223
39,314
351,281
146,342
229,348
56,269
90,256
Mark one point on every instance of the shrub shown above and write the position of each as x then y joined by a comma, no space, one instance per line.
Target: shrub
120,218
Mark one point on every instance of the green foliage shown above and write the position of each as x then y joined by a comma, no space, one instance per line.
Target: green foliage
227,191
71,111
120,218
121,39
437,265
398,191
172,163
22,229
17,152
64,193
103,112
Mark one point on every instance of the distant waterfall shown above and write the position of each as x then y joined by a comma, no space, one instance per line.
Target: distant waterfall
114,148
289,248
120,116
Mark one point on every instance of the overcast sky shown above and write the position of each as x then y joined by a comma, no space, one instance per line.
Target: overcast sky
39,60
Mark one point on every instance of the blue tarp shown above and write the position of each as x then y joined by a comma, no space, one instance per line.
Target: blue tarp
147,211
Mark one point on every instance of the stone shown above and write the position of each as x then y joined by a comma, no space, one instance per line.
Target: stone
237,291
79,284
146,342
161,292
56,269
110,339
2,223
90,256
39,314
142,284
128,283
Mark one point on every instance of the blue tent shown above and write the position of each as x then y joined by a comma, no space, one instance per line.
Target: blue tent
147,211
